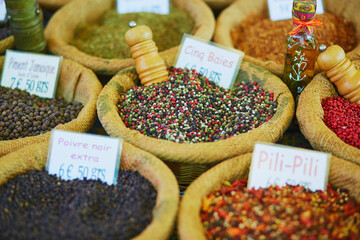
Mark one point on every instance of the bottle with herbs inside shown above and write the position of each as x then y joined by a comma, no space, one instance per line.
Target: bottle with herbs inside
301,47
26,25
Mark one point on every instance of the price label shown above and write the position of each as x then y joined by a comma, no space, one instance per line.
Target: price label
282,9
216,62
154,6
84,156
2,10
34,73
273,164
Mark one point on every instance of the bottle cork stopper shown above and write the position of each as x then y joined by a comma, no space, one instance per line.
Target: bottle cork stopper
150,66
341,71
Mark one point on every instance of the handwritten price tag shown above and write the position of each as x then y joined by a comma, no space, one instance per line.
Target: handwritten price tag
2,10
154,6
280,165
216,62
35,73
81,155
282,9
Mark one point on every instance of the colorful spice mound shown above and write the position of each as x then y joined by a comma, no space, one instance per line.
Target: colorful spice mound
190,108
343,118
23,115
107,39
290,212
266,40
37,205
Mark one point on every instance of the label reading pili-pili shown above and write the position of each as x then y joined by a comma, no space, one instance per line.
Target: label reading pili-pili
84,156
274,164
216,62
35,73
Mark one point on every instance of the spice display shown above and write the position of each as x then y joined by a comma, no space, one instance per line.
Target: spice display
265,39
190,108
290,212
36,205
301,53
26,25
343,118
341,71
106,39
22,114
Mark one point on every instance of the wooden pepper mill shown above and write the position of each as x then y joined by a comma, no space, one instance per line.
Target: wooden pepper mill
150,66
341,71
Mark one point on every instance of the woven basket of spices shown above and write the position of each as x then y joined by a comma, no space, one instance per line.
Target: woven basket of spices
221,124
52,5
255,220
91,32
26,119
328,121
143,205
245,25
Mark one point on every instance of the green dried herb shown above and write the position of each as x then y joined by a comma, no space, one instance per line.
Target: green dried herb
106,39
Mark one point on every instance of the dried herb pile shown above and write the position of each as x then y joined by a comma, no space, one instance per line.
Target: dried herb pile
106,39
190,108
23,115
264,39
36,205
290,212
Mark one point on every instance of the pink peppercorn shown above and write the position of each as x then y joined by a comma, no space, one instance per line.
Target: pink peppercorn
343,118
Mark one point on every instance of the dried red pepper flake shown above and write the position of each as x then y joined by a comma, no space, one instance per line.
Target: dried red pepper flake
290,212
343,118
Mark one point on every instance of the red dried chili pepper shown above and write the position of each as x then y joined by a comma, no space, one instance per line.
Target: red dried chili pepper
281,213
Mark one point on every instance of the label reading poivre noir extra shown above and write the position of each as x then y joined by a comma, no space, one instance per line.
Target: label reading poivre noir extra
84,156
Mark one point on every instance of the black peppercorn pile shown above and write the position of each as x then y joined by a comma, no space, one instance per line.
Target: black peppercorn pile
23,115
190,108
37,205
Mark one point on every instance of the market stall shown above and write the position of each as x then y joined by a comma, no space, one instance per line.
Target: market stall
149,119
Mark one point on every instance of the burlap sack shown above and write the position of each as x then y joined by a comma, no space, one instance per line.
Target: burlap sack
76,83
52,5
34,157
189,160
240,10
343,174
60,31
310,115
6,43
